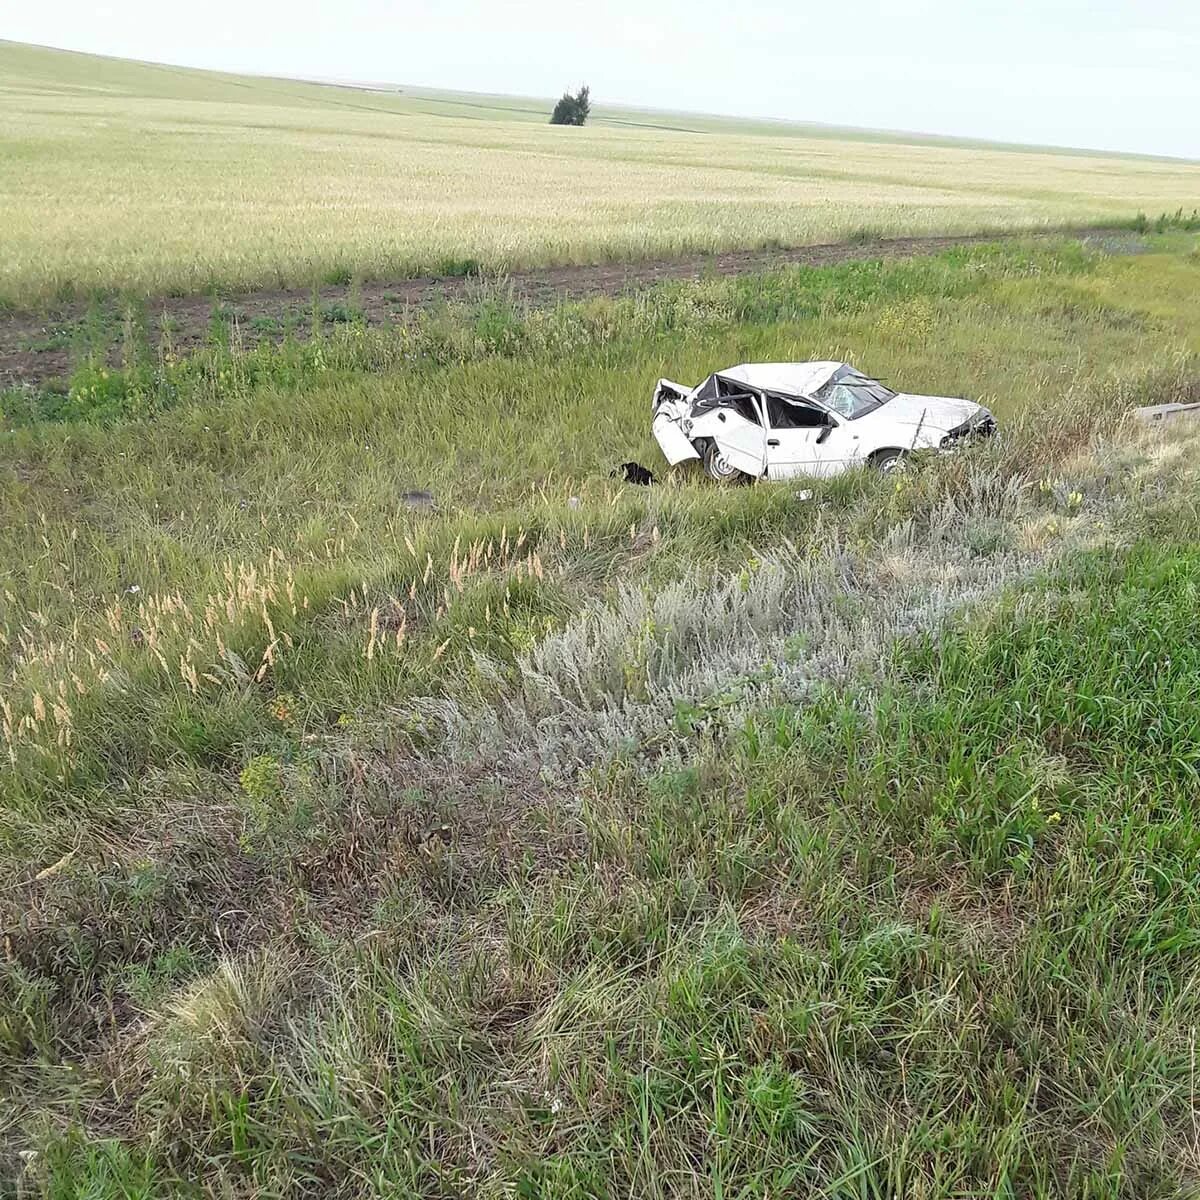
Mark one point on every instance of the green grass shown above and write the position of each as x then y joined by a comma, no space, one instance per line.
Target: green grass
671,842
149,179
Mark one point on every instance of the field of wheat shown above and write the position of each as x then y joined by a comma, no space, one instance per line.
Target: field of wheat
127,176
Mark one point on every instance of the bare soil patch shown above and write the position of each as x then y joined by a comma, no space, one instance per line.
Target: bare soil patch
37,348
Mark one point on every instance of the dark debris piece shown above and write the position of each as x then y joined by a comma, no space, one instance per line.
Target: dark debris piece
632,472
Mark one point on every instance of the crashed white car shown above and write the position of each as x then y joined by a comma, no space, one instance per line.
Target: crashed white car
777,420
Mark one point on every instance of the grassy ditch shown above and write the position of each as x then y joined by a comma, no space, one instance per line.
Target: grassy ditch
665,842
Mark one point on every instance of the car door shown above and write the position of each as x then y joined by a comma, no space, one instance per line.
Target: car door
740,441
737,424
803,439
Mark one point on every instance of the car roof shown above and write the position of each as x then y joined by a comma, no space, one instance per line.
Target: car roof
793,379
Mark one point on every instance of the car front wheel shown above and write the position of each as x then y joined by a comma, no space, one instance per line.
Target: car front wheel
719,469
887,461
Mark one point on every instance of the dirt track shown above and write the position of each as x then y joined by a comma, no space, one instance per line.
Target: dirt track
37,348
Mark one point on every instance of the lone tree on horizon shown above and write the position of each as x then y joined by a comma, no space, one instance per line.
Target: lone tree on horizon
573,110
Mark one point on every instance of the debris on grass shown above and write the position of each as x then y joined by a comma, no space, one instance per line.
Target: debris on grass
419,499
632,472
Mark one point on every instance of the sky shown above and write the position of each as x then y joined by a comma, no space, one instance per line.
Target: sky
1104,74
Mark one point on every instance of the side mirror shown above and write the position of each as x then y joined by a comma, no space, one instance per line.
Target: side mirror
826,430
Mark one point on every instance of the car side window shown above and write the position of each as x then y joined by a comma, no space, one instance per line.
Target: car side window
785,415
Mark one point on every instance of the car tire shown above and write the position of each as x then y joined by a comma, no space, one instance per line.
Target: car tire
720,471
888,461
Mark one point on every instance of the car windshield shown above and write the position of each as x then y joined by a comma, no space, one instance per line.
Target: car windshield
851,395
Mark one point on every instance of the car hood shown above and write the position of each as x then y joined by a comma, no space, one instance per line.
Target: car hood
937,414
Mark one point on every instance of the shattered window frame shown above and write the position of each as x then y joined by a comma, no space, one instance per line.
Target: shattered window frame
797,404
747,405
717,392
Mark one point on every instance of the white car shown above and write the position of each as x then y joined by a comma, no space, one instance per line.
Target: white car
777,420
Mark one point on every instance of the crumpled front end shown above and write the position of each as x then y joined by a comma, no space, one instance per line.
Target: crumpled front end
672,405
980,425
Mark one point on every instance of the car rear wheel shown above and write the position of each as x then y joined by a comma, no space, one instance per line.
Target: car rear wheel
719,469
